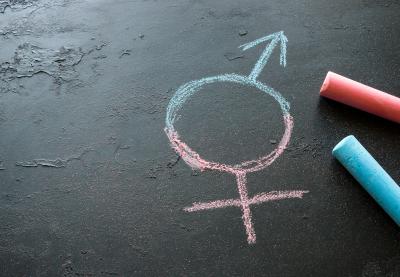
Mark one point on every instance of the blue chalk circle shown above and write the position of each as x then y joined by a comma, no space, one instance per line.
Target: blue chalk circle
367,171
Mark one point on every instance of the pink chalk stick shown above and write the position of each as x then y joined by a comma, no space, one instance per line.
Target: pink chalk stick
357,95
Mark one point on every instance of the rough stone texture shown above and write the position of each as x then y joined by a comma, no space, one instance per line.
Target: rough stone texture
89,185
16,4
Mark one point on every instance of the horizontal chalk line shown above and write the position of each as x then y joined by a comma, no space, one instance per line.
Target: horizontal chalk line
257,199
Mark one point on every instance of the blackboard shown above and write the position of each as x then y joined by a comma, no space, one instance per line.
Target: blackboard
92,183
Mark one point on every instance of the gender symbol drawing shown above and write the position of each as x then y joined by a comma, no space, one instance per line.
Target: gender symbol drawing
194,160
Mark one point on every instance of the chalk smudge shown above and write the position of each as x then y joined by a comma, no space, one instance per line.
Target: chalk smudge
57,163
195,161
53,163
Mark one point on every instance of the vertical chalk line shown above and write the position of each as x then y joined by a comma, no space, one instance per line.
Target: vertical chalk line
244,201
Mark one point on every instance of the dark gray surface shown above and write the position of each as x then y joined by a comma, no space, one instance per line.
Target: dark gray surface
90,186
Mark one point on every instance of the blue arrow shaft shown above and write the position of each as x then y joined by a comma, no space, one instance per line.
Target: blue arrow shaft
262,61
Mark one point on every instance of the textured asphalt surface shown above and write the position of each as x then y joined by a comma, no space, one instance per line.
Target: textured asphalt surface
89,185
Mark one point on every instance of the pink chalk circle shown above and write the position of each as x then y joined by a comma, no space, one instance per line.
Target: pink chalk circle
192,158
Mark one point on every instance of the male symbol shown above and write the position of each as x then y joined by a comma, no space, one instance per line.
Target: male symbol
193,159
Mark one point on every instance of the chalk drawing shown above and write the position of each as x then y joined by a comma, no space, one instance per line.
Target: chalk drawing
194,160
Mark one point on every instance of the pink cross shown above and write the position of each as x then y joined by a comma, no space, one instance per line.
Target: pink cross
193,159
244,203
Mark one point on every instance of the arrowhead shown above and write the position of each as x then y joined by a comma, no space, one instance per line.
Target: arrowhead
253,43
274,38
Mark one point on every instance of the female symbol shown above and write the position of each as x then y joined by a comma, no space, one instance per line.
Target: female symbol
194,160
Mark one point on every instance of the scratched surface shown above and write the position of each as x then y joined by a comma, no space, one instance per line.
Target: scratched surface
90,186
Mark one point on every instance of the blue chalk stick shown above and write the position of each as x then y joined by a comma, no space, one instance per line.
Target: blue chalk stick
366,170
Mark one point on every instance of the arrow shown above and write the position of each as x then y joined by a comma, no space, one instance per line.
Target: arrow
275,38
